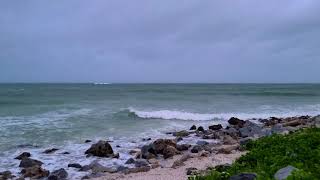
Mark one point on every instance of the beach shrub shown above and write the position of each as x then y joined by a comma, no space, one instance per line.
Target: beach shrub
267,155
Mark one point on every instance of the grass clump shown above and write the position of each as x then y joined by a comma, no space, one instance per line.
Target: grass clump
267,155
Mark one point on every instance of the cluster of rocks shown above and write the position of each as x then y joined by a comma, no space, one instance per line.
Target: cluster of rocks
230,138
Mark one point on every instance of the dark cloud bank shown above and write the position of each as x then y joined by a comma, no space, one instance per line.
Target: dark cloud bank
160,41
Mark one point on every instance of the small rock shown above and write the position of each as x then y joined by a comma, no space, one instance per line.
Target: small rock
141,163
66,152
178,139
146,139
75,165
101,149
196,149
193,127
49,151
28,162
222,167
244,176
244,141
148,152
283,173
6,175
137,170
202,143
97,168
191,171
23,155
122,168
201,129
183,133
227,149
183,147
130,161
34,172
87,141
59,174
216,127
180,162
118,146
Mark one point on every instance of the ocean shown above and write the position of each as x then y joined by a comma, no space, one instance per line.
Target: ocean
35,117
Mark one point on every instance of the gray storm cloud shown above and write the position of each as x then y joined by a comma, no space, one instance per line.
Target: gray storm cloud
160,41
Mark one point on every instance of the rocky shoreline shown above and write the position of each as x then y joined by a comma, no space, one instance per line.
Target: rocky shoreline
172,153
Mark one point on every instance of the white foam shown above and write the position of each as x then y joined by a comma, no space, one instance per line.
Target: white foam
266,113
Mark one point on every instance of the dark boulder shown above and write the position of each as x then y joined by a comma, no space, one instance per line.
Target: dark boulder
101,149
200,128
216,127
236,122
28,162
34,172
75,165
244,176
23,155
146,139
87,141
148,152
160,144
193,127
59,174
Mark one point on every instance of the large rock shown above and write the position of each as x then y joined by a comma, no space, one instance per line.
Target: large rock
244,176
236,122
169,151
59,174
160,144
34,172
193,127
28,162
200,128
148,152
216,127
101,149
23,155
251,129
283,173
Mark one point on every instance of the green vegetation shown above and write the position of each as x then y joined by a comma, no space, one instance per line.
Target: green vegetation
269,154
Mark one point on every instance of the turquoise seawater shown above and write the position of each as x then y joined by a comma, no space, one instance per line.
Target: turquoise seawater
37,116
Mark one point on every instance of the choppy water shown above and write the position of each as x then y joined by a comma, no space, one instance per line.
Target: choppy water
34,117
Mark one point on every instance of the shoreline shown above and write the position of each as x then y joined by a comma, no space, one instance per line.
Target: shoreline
173,158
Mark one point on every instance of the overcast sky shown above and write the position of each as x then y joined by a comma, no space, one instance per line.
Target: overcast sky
160,41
